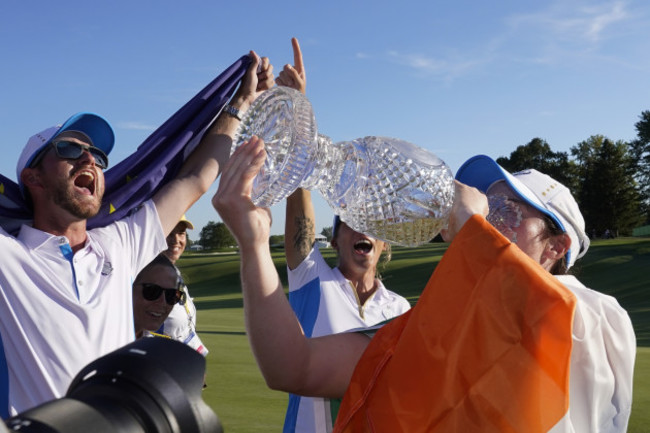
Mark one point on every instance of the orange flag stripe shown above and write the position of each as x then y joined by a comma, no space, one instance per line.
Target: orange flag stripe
486,348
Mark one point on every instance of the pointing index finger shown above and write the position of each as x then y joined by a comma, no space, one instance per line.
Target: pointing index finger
297,56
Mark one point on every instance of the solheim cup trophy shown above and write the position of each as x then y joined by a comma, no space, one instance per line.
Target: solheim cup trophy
383,187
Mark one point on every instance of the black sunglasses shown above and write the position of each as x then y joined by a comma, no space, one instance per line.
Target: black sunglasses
151,292
70,150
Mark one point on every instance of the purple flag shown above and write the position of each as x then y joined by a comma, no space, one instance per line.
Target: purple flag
155,162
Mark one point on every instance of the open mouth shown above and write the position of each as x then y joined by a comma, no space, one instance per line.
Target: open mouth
85,180
363,246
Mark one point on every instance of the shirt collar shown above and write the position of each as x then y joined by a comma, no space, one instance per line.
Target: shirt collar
35,239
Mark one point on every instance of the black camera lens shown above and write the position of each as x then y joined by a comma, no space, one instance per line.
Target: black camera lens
150,385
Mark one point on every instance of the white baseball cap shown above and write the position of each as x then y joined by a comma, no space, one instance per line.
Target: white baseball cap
538,190
97,129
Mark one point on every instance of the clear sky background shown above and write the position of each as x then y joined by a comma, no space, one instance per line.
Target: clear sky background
457,77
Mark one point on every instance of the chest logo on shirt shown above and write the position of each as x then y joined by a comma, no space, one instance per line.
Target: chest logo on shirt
107,269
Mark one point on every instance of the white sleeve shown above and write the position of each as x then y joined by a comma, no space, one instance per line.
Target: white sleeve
404,305
310,268
602,364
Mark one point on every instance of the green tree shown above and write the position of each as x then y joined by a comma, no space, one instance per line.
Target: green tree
216,235
537,154
608,196
641,154
276,240
327,232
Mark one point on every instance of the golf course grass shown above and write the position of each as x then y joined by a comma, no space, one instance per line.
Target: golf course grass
238,395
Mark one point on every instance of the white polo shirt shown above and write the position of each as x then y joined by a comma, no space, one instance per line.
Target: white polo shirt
180,325
59,312
326,303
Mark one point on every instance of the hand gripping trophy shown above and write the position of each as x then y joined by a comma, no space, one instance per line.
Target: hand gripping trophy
384,187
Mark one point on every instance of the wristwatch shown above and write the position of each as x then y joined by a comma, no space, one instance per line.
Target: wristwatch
234,112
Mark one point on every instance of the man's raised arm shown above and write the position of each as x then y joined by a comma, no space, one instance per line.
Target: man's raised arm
203,165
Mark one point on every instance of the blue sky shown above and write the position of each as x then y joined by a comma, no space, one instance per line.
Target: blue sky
455,77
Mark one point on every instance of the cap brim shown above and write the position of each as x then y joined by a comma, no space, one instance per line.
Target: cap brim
188,224
94,126
335,225
481,172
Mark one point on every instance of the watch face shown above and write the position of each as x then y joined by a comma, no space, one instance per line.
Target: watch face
233,111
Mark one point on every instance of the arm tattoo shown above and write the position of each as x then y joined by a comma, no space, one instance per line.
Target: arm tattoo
302,240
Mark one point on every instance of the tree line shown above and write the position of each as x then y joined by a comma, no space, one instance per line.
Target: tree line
609,179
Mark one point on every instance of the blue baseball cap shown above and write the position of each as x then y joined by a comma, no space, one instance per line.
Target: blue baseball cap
335,225
539,190
98,130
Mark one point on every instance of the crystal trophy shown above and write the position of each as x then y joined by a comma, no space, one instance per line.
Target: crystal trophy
384,187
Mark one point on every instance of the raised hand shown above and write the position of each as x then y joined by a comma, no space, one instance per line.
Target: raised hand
294,76
248,223
258,78
468,201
